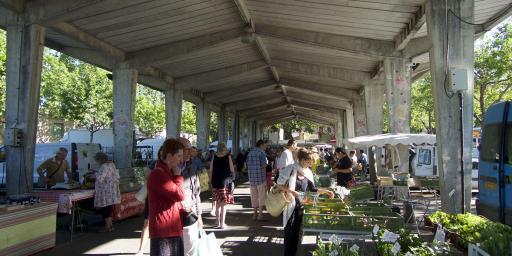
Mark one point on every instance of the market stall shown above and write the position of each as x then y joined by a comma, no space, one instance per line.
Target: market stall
69,202
27,229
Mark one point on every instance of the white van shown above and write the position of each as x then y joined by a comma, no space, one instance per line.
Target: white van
425,163
148,149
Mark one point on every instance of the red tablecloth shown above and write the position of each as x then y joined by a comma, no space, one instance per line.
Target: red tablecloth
64,198
128,207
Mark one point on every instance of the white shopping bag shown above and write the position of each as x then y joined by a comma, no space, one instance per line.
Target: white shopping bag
207,245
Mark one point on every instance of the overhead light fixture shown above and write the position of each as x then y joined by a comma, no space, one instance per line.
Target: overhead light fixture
248,36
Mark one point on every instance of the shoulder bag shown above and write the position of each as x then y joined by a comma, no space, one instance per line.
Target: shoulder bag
277,200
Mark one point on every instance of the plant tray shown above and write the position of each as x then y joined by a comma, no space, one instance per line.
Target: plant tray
355,222
361,192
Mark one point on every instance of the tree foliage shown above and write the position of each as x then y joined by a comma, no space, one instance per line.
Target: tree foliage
76,91
214,133
493,70
149,111
188,118
295,125
422,106
3,71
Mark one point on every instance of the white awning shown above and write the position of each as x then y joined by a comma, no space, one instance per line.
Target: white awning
381,140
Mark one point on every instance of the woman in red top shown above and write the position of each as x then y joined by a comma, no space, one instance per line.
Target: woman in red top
165,193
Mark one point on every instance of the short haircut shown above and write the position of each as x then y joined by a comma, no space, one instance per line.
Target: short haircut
361,151
340,150
290,143
170,146
304,155
63,150
186,143
259,143
101,157
352,152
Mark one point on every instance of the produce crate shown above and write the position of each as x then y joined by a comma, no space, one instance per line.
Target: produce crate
334,203
361,192
428,182
354,221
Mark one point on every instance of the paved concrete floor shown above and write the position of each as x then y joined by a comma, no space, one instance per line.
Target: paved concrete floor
244,236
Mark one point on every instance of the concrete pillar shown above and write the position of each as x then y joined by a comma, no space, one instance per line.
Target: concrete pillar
25,45
338,129
124,92
348,123
235,139
259,131
360,117
398,93
222,122
448,128
202,125
173,108
254,133
374,100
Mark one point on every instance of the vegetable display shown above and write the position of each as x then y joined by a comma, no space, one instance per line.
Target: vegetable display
335,248
494,238
409,244
327,215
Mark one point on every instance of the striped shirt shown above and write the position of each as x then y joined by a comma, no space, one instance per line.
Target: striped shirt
256,163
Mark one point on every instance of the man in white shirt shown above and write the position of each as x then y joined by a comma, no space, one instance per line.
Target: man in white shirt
286,157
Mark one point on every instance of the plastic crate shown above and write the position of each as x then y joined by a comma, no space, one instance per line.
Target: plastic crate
355,222
361,192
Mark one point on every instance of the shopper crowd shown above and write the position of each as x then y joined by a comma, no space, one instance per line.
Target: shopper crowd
173,205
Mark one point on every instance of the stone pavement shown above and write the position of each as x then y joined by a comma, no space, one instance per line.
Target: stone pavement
243,237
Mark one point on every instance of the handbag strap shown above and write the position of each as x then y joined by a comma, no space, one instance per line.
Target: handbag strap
56,170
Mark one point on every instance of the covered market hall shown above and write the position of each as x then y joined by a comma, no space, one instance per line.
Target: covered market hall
261,62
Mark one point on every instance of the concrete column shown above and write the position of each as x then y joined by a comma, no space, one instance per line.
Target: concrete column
202,125
349,123
360,117
124,91
398,94
25,45
254,133
173,108
235,140
222,122
374,100
338,129
259,131
448,129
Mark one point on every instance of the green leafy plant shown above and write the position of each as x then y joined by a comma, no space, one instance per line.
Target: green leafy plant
335,248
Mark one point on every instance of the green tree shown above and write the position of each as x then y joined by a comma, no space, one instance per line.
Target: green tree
149,111
76,91
493,70
214,133
295,125
3,71
188,118
422,106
